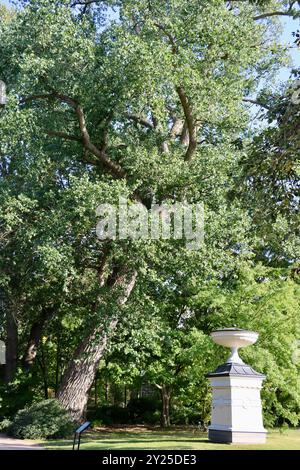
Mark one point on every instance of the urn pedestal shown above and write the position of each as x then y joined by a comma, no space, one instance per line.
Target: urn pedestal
236,404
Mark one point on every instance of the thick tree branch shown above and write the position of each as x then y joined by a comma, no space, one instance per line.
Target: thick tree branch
184,138
257,103
187,109
64,98
83,3
176,129
27,99
272,13
190,122
114,167
140,120
290,12
169,36
101,155
35,336
63,135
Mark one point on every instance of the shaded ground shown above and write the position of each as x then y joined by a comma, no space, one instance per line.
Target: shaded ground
8,443
141,437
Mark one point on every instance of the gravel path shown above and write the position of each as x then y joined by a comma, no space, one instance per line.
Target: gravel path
8,443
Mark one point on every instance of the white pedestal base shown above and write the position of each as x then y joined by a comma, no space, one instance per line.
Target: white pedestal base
236,405
240,437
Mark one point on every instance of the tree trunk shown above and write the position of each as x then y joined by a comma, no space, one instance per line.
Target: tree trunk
79,376
96,390
165,391
43,366
125,396
58,363
106,391
11,353
35,337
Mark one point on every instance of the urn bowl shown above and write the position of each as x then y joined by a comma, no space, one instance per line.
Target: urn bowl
234,337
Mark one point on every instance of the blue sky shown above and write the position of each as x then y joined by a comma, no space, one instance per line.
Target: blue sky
289,25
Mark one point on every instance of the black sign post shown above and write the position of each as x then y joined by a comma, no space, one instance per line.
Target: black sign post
78,432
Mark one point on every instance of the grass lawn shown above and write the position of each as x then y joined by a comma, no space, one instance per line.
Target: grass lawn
143,438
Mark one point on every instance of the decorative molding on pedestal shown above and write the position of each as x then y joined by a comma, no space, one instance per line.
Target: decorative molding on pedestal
236,403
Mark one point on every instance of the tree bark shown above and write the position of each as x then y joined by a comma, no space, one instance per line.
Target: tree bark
125,396
58,363
43,366
35,337
79,376
106,391
165,391
11,353
96,390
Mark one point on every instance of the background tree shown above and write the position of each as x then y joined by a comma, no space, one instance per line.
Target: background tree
271,177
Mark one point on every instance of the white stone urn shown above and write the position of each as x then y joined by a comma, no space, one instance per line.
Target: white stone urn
236,404
234,338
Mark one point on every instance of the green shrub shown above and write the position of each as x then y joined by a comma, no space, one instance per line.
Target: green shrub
144,410
42,420
187,415
4,425
109,414
16,395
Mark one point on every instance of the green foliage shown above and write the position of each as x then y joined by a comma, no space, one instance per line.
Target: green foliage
5,424
43,420
16,395
144,410
183,414
109,415
264,300
270,176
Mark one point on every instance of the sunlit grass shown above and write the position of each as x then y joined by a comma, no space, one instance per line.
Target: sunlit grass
173,439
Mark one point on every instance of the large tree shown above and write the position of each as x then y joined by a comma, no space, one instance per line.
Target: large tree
145,102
